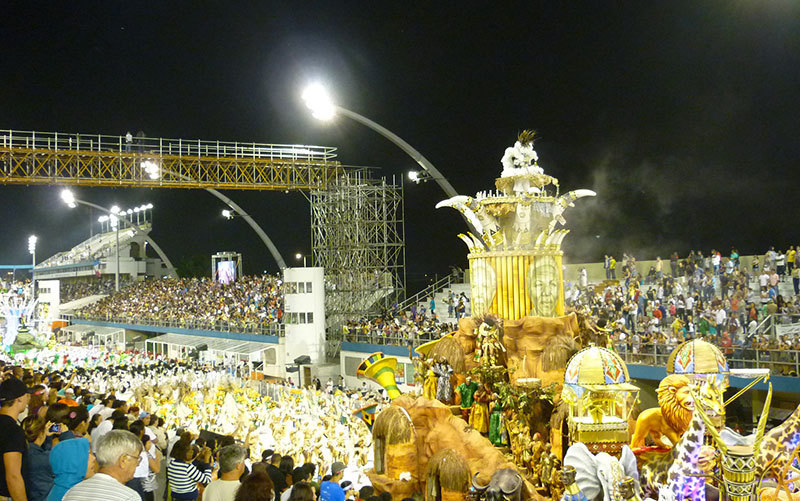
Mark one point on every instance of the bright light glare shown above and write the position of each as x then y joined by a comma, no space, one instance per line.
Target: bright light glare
102,219
151,169
319,102
32,243
68,197
148,206
413,175
298,256
114,209
226,214
114,220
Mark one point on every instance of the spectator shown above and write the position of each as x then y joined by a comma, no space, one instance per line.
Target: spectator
276,475
149,462
231,467
118,454
71,461
14,397
39,479
299,474
303,491
77,421
330,490
247,305
255,487
183,476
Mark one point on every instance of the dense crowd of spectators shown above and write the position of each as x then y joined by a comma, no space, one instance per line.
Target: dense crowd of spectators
246,305
714,298
64,440
70,291
397,329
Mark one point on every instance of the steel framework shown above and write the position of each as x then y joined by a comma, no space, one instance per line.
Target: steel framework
97,160
358,236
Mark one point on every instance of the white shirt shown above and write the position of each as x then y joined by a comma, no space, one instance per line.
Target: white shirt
222,490
101,487
95,409
143,468
102,428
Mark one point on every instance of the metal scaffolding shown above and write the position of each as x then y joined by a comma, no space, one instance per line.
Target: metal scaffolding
358,236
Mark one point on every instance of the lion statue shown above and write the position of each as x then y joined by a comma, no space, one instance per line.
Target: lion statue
672,416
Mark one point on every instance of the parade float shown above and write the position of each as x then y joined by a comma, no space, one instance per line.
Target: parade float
17,311
526,401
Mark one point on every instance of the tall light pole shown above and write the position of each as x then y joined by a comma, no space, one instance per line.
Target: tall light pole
114,214
115,226
32,249
322,107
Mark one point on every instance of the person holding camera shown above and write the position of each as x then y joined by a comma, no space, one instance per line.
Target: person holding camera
39,434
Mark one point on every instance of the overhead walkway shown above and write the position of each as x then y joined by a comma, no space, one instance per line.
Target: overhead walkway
30,157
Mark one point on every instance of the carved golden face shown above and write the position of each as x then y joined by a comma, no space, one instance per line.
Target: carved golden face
543,286
484,286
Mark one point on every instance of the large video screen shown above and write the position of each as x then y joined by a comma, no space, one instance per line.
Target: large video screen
226,272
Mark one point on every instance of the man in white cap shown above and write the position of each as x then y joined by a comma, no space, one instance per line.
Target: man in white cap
14,397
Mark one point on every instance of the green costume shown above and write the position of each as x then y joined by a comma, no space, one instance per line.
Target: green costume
467,392
496,426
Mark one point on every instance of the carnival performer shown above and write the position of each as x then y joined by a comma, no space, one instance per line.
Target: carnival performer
497,425
444,388
429,389
466,392
479,418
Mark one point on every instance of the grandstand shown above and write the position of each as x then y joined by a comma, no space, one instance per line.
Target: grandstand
96,257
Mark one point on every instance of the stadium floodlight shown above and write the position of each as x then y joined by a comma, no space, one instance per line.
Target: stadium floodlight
413,176
227,214
32,249
323,108
319,102
69,198
114,209
151,168
102,219
148,206
136,209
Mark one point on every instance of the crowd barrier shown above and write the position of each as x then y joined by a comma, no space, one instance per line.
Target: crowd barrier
271,329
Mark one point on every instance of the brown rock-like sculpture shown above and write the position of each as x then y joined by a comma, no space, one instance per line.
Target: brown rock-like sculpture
435,428
537,347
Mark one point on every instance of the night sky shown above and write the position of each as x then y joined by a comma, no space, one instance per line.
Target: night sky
684,117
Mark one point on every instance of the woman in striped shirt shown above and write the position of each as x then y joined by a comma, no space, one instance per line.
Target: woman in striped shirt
183,476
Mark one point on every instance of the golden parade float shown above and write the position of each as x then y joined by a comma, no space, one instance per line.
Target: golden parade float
524,400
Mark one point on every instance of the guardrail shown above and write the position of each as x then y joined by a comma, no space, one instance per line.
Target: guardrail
394,339
428,291
779,362
59,141
271,329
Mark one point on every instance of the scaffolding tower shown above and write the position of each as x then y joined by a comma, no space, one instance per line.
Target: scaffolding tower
358,236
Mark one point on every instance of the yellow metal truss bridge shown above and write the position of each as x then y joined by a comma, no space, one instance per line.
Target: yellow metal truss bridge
28,157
